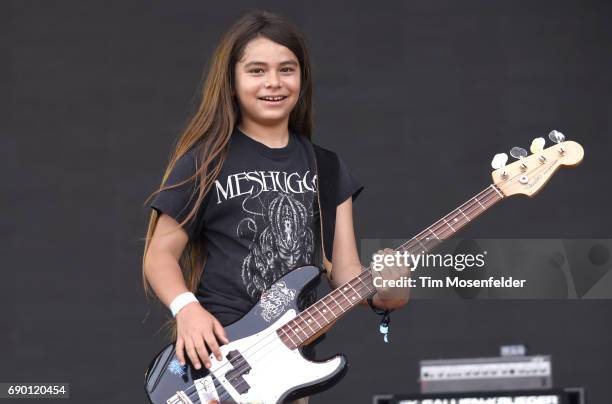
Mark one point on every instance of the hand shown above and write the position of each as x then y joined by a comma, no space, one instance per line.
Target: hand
395,272
194,327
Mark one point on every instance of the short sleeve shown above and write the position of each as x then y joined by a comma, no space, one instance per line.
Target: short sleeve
179,201
348,185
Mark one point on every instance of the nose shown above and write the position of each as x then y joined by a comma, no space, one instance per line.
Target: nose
273,80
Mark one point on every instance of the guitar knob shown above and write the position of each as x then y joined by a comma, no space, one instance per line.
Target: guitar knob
499,160
518,152
556,136
537,145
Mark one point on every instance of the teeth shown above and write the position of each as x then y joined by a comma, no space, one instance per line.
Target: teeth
272,98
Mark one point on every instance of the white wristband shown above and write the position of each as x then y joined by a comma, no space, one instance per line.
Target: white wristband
181,301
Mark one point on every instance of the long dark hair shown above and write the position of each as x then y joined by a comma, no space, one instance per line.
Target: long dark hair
212,124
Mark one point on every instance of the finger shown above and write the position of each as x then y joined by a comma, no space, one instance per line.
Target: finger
191,352
386,252
202,351
374,255
395,271
388,272
179,351
401,271
211,340
220,332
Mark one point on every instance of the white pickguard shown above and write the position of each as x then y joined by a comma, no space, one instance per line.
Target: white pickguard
275,369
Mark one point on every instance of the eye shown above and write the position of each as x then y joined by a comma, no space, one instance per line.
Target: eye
287,69
256,70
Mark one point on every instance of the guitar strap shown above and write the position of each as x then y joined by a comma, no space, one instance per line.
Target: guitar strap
327,165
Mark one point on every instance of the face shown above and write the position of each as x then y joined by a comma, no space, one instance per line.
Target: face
267,82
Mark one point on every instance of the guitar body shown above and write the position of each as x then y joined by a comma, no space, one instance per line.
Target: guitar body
257,366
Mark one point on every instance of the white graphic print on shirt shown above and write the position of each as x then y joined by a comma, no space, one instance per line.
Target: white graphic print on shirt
278,222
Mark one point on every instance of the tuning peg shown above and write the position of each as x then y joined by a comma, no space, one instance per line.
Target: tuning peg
499,160
556,136
518,152
537,145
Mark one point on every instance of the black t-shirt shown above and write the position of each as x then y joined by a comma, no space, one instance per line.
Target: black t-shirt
259,220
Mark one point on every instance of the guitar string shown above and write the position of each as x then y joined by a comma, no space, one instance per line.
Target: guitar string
357,289
447,230
482,197
490,190
495,189
480,200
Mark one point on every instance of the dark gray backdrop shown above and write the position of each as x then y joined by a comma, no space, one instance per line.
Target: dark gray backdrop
416,97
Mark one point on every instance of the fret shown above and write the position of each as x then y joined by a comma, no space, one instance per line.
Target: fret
424,248
335,301
421,236
432,232
327,308
307,321
485,200
341,292
421,247
481,205
291,339
455,217
459,209
288,335
315,319
496,190
448,224
353,298
298,328
368,287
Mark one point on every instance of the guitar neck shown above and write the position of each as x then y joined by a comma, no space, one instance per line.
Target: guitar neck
311,321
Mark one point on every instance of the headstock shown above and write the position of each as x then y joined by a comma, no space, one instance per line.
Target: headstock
529,174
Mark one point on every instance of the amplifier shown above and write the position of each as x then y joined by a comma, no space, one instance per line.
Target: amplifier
568,395
486,374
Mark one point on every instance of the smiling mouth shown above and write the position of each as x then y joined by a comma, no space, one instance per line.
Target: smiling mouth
277,98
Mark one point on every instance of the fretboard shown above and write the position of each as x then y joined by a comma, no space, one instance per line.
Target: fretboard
311,321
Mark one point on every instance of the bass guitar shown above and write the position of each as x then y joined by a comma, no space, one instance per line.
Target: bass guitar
263,362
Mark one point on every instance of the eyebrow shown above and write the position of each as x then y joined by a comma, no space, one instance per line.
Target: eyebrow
257,63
